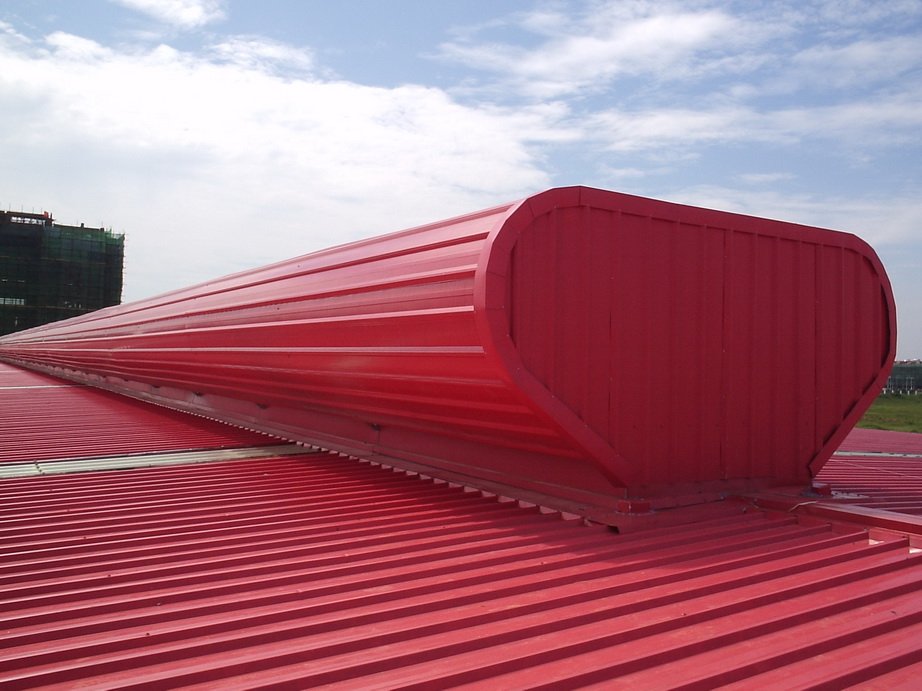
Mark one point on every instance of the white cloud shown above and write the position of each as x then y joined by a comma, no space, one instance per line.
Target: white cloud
251,150
184,14
861,13
609,41
256,52
673,128
211,166
766,178
619,174
878,218
858,63
886,121
10,37
710,69
70,47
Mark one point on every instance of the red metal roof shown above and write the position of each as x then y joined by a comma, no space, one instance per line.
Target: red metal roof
45,418
880,441
878,470
872,488
303,571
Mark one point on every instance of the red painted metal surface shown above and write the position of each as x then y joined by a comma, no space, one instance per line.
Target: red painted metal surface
579,346
301,572
863,485
881,441
878,470
317,569
44,418
893,483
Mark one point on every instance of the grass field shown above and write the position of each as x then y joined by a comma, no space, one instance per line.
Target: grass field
894,412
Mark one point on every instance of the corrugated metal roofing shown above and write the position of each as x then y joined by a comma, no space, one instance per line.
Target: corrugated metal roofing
45,418
878,470
315,569
298,572
880,441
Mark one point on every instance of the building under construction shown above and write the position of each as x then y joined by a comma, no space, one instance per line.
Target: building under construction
50,271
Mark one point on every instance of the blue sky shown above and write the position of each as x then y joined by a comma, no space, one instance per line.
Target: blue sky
246,132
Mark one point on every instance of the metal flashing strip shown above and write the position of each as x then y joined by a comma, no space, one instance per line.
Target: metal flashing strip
151,460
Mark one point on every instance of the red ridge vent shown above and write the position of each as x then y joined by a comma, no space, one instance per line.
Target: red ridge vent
574,348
